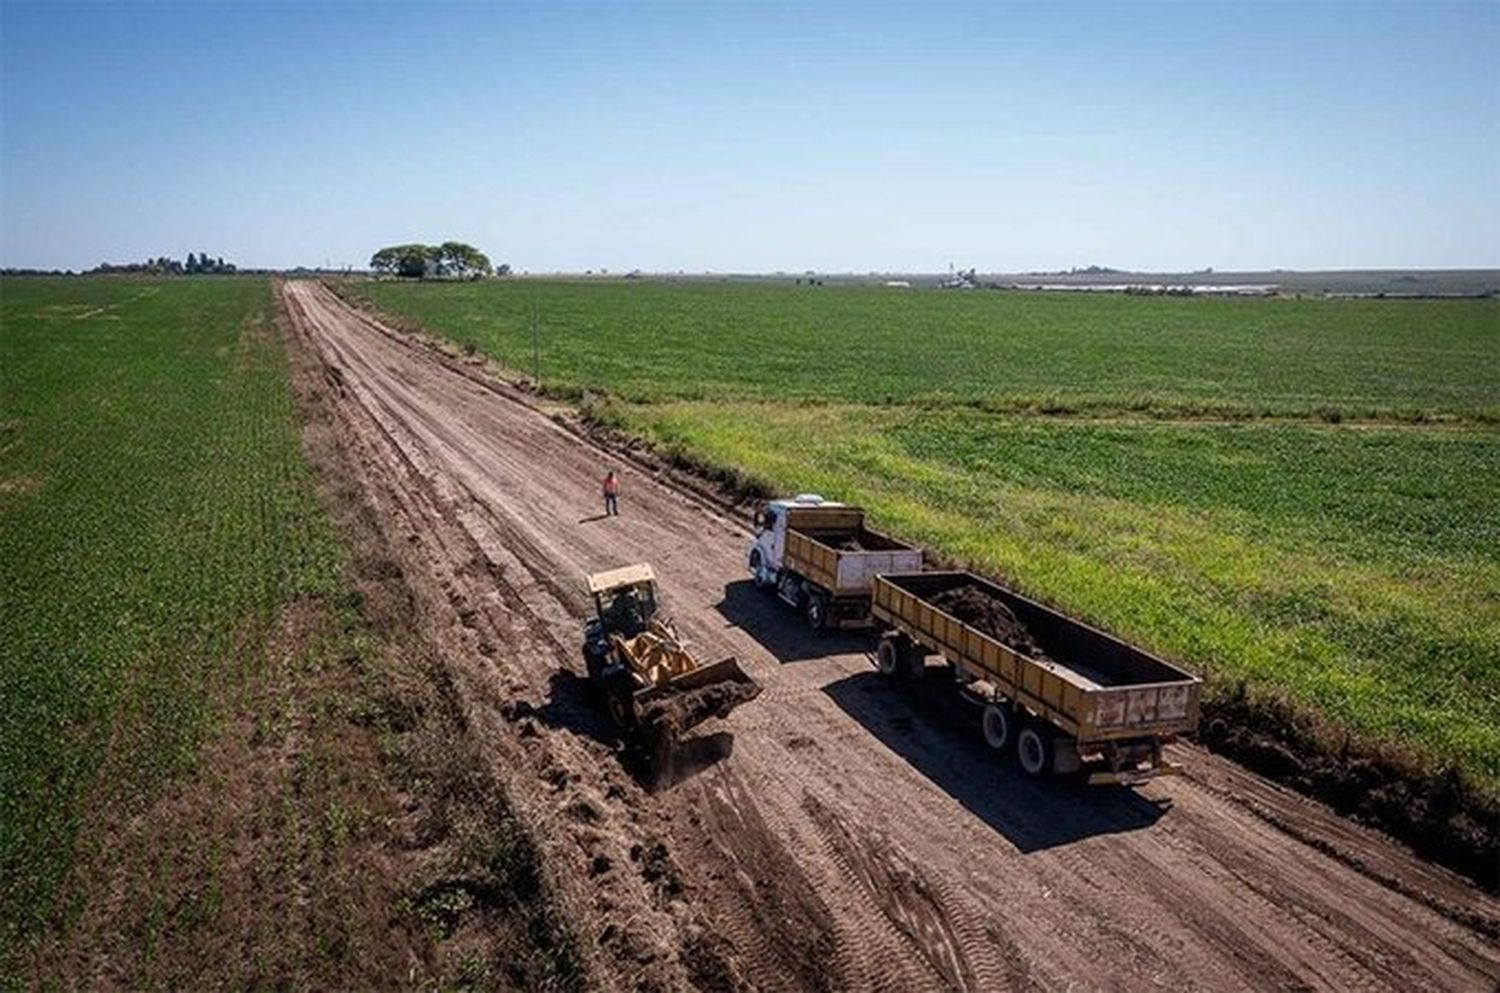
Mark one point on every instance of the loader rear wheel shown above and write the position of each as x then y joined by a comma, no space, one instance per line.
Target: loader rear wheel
996,724
1034,749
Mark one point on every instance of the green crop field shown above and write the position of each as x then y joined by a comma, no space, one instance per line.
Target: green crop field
1164,467
156,516
1004,351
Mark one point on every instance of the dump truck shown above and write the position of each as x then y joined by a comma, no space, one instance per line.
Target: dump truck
818,556
1060,694
652,686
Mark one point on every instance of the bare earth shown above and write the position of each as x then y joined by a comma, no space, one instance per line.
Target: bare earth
836,832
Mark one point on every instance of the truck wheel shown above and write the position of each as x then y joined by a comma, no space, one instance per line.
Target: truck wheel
888,657
1034,749
758,570
817,611
996,725
913,663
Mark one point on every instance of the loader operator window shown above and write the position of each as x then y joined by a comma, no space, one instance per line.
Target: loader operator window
627,615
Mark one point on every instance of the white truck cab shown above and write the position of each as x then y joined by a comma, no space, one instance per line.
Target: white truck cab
769,544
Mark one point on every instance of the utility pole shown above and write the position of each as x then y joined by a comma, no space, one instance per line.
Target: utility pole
536,349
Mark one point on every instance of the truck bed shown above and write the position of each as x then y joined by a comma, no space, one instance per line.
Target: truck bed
847,560
832,547
1088,682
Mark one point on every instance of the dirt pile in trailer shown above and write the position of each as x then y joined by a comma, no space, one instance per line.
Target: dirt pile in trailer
978,609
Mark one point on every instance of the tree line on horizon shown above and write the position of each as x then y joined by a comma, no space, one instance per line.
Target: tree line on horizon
196,265
450,260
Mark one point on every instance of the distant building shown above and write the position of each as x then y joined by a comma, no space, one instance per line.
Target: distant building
964,279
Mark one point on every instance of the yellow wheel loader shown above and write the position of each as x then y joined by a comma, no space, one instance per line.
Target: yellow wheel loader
654,688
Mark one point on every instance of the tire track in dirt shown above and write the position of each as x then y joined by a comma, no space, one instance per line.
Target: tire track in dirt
914,906
783,833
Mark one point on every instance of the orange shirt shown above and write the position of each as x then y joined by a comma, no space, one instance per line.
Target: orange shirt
611,486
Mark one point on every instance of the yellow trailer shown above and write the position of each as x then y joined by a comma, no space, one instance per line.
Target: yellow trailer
1088,698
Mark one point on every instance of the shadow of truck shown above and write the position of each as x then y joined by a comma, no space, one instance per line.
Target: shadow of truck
781,631
936,732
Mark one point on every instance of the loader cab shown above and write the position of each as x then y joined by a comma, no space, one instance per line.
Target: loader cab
769,542
624,604
626,611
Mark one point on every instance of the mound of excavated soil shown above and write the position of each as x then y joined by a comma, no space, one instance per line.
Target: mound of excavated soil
978,609
859,541
1439,813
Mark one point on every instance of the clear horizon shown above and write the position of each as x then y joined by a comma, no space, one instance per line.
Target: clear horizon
756,138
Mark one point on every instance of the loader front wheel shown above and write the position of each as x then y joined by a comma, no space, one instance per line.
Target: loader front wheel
621,706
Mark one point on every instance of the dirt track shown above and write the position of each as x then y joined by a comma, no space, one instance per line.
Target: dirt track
836,832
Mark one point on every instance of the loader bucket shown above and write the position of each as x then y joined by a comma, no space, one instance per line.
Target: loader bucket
668,712
724,670
693,697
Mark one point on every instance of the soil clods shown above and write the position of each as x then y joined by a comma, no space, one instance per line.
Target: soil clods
978,609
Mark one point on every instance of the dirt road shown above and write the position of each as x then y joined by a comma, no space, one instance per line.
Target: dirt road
837,832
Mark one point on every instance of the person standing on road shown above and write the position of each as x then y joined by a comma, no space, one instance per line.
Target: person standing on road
611,495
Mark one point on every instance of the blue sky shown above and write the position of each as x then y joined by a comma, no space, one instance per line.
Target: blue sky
754,137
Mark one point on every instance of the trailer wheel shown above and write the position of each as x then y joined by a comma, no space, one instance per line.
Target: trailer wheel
888,657
1034,749
817,611
996,724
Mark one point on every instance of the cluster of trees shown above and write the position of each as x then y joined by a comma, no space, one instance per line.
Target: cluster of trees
450,260
166,266
202,263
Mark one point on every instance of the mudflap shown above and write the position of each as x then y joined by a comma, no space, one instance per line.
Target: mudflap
1132,777
1125,765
